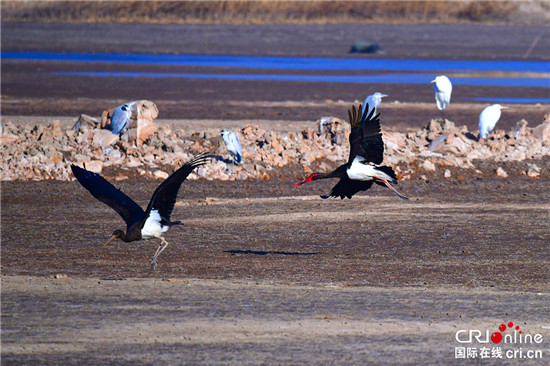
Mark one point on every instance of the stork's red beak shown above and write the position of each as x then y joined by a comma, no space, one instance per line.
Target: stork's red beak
110,240
308,179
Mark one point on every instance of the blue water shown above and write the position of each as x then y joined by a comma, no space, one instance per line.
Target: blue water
419,71
384,78
287,63
512,100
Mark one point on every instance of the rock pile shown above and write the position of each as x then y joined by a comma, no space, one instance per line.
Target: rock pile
442,146
439,150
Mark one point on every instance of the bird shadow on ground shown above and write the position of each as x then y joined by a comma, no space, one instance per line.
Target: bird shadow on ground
222,159
261,252
471,136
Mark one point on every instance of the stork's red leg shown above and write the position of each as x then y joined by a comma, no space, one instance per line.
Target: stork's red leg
391,187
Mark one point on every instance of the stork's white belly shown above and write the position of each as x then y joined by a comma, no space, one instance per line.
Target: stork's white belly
364,172
152,227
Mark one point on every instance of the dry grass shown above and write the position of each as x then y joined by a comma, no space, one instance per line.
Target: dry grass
264,12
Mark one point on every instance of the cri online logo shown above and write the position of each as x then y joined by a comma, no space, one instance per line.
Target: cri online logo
496,337
467,336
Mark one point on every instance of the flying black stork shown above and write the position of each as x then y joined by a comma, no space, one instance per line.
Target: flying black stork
366,152
140,224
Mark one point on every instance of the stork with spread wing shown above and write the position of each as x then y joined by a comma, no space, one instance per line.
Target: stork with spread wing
366,153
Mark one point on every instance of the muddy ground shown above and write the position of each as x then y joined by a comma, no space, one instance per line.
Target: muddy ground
262,273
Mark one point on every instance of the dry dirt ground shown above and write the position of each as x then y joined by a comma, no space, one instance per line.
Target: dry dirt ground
261,273
92,321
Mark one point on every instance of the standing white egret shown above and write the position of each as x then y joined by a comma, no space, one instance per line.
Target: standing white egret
233,145
121,118
373,101
443,89
488,118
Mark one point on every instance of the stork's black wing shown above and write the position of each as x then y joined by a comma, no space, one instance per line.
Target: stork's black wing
365,138
347,188
164,198
108,194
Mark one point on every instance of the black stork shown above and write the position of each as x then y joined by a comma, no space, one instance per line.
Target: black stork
140,224
366,152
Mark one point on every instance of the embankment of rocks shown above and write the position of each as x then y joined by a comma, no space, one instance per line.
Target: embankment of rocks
440,150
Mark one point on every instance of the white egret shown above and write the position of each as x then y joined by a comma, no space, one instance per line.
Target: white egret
233,145
488,118
121,118
322,122
373,101
443,89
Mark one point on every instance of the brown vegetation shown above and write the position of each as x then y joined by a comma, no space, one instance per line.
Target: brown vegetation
270,12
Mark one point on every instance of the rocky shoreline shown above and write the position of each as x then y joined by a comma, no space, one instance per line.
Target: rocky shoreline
439,150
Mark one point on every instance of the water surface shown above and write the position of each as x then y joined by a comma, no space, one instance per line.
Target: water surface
287,63
372,79
496,73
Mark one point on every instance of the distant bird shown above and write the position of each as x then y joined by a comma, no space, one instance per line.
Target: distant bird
150,224
373,101
443,89
121,118
233,145
488,118
366,151
366,47
322,123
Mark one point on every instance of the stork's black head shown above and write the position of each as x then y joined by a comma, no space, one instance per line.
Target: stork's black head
117,234
311,178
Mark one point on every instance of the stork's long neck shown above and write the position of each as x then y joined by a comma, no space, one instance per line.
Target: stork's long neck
322,176
339,172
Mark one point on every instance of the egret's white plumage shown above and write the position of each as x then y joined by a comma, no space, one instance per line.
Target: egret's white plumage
443,89
121,118
488,119
322,122
373,101
233,145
